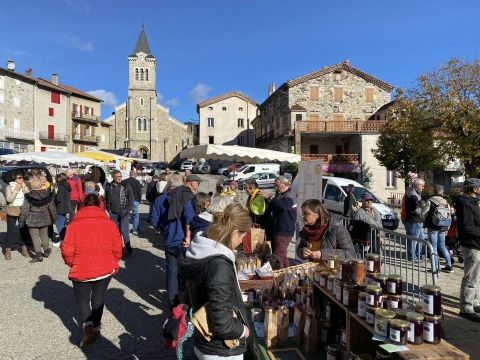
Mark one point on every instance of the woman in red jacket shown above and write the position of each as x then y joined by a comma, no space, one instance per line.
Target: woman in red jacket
92,249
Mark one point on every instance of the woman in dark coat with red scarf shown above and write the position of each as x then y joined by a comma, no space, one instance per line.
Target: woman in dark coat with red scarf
322,235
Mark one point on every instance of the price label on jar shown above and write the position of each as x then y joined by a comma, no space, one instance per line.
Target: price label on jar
428,304
411,332
428,331
322,281
345,297
370,265
328,313
393,304
370,318
370,299
395,335
362,308
392,287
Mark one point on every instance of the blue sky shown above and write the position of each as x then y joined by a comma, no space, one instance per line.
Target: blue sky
205,48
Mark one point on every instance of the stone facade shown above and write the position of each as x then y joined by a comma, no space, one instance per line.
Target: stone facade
17,130
226,120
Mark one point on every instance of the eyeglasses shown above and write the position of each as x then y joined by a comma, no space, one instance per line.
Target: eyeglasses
19,177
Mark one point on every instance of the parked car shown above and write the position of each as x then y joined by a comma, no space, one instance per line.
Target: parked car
223,171
250,169
264,180
186,165
201,168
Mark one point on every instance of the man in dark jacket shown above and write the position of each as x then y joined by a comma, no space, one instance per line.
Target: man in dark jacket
137,197
350,205
468,225
415,216
119,201
283,214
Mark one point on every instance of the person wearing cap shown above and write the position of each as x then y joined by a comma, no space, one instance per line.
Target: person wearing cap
368,214
234,187
468,226
350,205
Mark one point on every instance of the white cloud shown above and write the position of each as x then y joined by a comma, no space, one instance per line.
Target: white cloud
76,42
200,92
169,102
79,6
108,97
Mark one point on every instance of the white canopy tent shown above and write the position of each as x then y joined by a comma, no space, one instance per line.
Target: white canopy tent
237,153
59,158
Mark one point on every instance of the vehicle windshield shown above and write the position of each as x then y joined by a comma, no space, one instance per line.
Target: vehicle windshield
359,191
255,176
187,163
242,168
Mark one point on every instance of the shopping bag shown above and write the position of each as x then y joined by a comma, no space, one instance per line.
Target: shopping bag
271,330
256,236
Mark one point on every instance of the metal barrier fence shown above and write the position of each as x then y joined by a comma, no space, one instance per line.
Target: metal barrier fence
394,249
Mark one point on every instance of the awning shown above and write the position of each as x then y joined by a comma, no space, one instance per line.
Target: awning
60,158
103,156
237,153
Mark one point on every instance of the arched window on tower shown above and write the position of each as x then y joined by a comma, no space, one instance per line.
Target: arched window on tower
141,74
144,124
136,74
141,100
139,124
146,74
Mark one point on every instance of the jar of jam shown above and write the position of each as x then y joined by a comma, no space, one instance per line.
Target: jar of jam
373,263
381,280
415,328
432,329
323,278
382,321
394,302
317,275
401,314
362,305
370,314
338,289
398,331
327,333
328,311
333,352
343,270
370,278
361,286
357,271
432,300
374,295
330,280
394,284
332,262
349,297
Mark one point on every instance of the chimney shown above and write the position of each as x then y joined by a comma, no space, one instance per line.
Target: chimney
347,62
10,65
271,89
28,72
55,79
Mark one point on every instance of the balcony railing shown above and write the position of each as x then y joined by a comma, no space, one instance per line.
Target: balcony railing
45,135
85,117
354,126
333,158
20,134
86,138
274,134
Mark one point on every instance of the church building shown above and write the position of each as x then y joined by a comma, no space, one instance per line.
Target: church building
140,123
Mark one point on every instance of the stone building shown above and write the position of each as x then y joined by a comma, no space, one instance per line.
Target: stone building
226,120
17,113
140,123
325,115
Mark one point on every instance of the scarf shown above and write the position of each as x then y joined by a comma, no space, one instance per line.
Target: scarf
251,197
314,234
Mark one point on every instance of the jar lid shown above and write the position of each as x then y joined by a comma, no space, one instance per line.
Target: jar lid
431,288
333,256
349,285
394,277
381,276
374,288
393,296
331,276
384,313
325,272
362,294
358,261
401,312
399,323
373,256
333,347
327,324
433,317
411,315
345,261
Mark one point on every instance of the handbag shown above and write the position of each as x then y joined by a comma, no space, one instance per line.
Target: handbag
253,238
185,349
13,211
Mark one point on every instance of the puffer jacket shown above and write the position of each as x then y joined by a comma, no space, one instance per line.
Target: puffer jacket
209,270
38,209
92,247
76,186
468,221
62,198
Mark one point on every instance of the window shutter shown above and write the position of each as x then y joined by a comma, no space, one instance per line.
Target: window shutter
50,112
314,92
337,94
369,95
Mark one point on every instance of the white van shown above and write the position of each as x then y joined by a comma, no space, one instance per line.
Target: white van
334,195
248,170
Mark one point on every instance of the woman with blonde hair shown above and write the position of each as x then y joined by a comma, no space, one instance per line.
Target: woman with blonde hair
208,267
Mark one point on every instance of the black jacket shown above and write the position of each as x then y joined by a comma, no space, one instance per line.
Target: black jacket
336,240
211,281
468,221
119,200
283,213
62,198
413,205
136,188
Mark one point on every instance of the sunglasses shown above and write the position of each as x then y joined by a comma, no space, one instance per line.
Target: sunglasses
19,177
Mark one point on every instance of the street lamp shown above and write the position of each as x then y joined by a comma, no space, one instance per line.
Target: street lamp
115,128
165,140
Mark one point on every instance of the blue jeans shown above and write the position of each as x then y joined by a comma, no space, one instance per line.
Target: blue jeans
61,221
136,217
437,239
123,225
171,257
416,230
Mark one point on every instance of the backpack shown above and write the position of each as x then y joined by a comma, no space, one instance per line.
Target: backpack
151,193
442,216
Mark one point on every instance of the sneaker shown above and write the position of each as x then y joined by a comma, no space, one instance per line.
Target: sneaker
56,244
127,252
447,269
47,252
472,316
88,336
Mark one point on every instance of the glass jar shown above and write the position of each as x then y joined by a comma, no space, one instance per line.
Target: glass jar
349,297
327,334
415,328
432,329
361,286
370,278
333,352
333,262
394,302
401,314
398,331
328,310
394,284
323,278
357,271
330,280
381,280
338,289
362,305
370,314
374,295
382,321
343,270
373,263
317,275
432,300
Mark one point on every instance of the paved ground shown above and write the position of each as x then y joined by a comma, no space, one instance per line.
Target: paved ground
37,312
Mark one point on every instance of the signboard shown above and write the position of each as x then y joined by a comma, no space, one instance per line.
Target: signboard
124,167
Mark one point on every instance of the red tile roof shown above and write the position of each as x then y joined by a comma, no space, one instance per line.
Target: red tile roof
80,93
225,96
49,85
